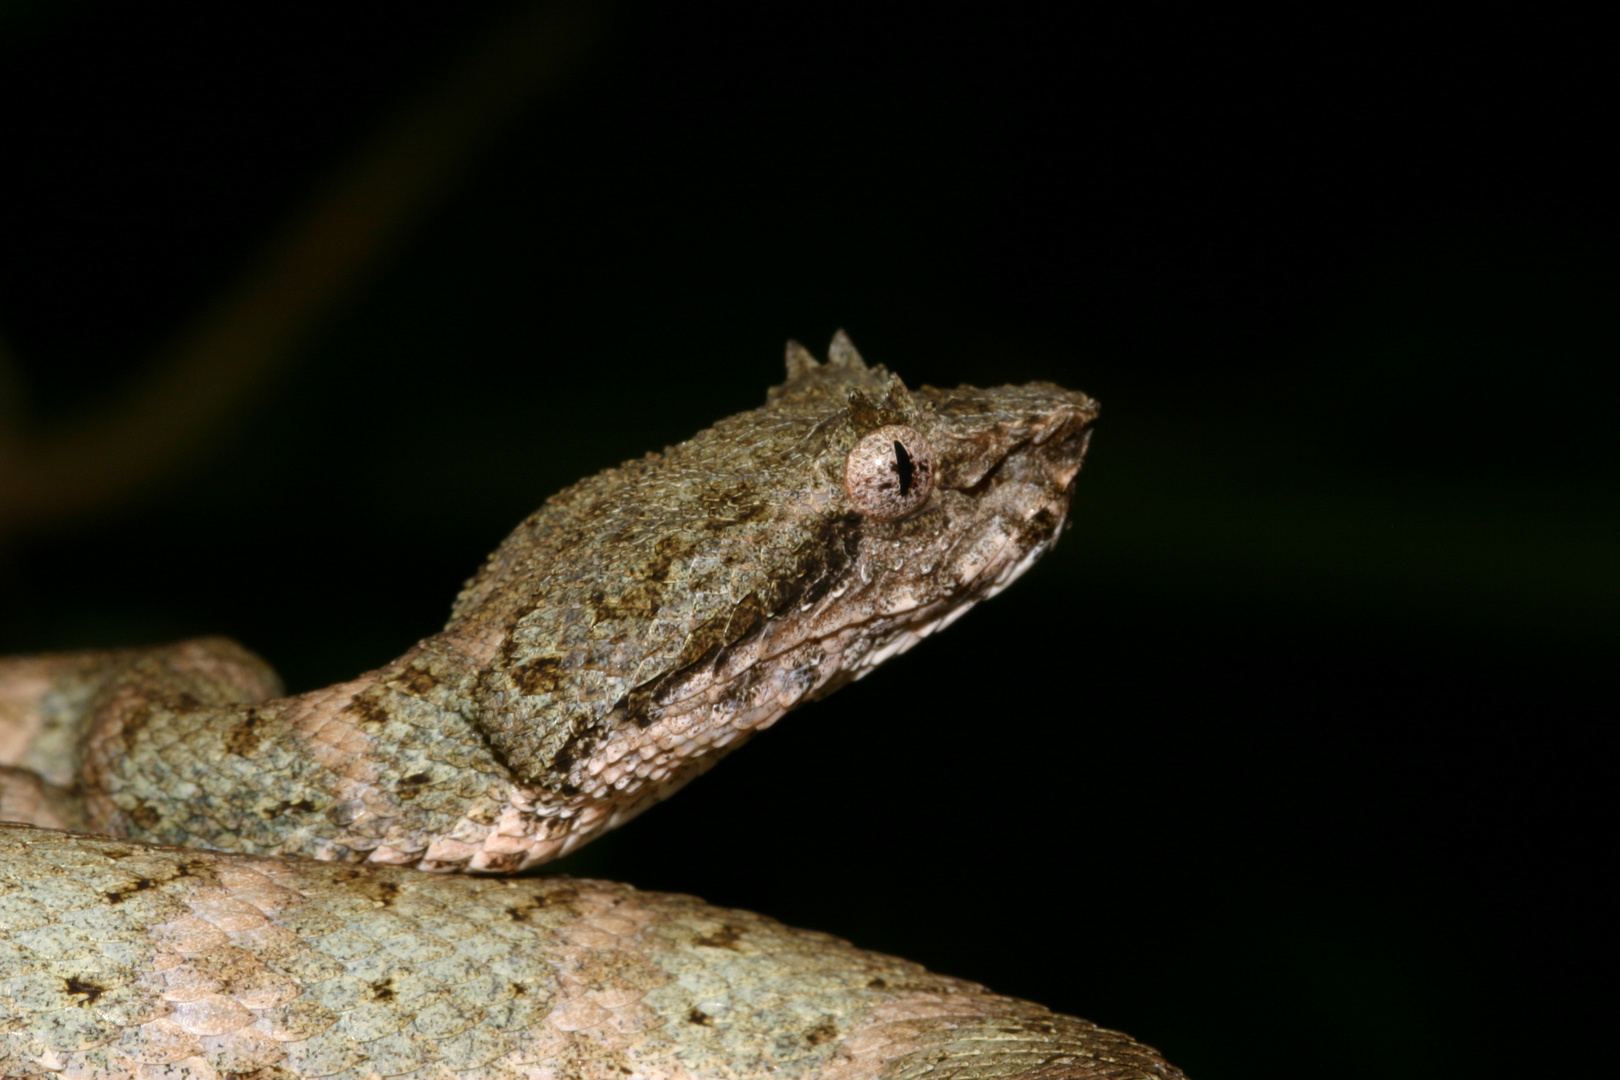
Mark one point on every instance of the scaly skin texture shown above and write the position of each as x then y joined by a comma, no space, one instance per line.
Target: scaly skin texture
641,624
124,959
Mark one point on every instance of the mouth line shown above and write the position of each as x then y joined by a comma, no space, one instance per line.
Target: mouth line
999,570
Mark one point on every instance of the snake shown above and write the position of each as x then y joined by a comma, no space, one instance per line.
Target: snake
204,878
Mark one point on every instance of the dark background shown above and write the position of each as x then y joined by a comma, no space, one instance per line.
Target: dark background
1287,761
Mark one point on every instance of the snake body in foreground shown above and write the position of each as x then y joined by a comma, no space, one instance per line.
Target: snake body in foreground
640,625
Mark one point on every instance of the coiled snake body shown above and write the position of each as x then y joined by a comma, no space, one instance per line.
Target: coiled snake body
641,624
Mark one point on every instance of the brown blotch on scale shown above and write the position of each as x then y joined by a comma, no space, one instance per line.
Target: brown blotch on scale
89,988
579,744
826,1031
243,741
836,544
197,869
644,594
411,786
137,719
637,704
118,896
724,938
418,680
381,890
1041,527
367,711
302,806
538,676
528,905
503,863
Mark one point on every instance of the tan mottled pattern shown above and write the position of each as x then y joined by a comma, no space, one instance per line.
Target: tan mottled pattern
640,625
122,959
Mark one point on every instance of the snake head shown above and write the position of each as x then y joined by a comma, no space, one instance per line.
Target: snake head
654,616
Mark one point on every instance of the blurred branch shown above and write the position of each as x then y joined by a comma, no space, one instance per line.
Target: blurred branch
112,452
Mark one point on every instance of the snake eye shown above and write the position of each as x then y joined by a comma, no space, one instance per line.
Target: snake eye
890,472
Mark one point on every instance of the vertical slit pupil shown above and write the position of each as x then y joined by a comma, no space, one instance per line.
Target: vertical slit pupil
903,466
